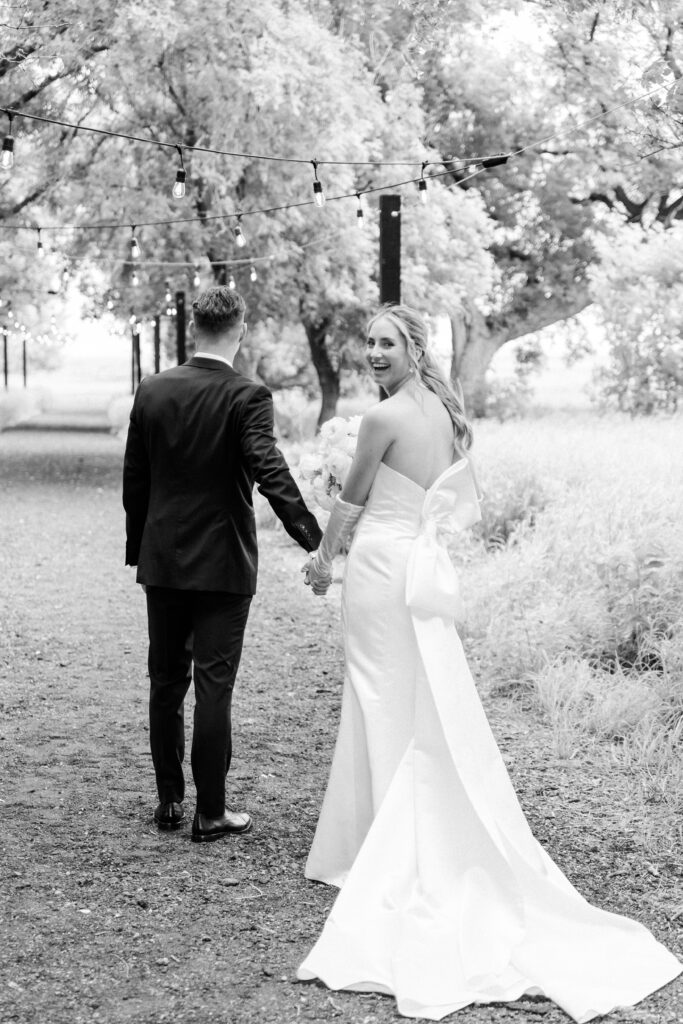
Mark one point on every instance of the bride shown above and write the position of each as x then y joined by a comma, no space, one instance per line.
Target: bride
446,897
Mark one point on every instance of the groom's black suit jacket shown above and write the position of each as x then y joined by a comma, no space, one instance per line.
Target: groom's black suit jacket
200,436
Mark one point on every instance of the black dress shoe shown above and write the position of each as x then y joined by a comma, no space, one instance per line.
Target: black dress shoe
233,823
169,816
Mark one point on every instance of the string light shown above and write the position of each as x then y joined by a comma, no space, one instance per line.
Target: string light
134,247
7,158
253,276
40,248
318,194
180,177
239,234
360,217
196,280
231,283
422,184
168,297
135,280
494,161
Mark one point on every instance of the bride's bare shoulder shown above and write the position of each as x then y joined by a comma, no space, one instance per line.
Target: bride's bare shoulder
384,415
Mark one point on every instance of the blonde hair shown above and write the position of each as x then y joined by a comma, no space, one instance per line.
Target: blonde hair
413,330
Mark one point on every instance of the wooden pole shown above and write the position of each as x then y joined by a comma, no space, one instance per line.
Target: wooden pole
390,249
136,349
157,343
4,356
132,359
180,327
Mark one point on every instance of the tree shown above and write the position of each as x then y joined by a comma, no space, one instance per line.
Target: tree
639,290
503,252
524,72
173,81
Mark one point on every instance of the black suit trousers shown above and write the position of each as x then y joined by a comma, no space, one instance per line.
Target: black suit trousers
204,629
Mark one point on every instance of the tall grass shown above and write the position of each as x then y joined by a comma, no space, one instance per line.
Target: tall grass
582,604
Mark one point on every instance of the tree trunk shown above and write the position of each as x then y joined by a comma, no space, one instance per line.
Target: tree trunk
325,366
474,346
476,339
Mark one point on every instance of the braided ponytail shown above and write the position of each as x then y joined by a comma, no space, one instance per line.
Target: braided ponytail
413,330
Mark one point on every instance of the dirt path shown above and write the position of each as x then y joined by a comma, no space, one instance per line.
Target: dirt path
104,918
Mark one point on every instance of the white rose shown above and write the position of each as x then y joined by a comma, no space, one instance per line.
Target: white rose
333,431
309,465
349,444
340,464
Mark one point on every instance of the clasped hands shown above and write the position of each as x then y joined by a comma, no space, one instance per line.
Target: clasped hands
316,576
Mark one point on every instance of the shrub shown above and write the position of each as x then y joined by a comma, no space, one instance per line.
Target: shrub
510,503
118,414
599,578
507,397
17,406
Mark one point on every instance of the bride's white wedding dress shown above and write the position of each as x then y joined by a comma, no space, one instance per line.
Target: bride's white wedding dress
447,899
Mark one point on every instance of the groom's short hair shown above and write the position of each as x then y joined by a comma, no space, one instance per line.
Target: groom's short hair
217,310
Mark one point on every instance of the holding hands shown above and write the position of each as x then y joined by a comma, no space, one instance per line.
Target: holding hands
317,576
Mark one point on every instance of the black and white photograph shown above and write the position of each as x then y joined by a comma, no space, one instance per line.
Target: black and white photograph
341,504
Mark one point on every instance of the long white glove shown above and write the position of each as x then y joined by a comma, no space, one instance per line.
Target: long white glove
341,524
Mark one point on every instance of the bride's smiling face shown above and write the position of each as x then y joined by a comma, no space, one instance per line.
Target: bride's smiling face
387,354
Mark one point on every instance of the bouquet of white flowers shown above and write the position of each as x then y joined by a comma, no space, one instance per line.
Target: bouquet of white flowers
328,466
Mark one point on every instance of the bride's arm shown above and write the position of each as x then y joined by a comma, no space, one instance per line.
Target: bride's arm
375,436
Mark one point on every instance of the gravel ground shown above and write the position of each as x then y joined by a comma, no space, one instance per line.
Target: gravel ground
104,918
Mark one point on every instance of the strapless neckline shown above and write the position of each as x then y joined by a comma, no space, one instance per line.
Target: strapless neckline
424,490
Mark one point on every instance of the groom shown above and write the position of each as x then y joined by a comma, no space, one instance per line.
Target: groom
200,435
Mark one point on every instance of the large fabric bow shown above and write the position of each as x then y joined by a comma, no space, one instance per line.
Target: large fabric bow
451,505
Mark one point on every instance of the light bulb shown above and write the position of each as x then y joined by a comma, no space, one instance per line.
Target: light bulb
495,161
422,186
179,187
41,250
239,236
360,217
110,304
318,194
134,248
7,159
231,283
168,297
253,275
135,280
196,280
